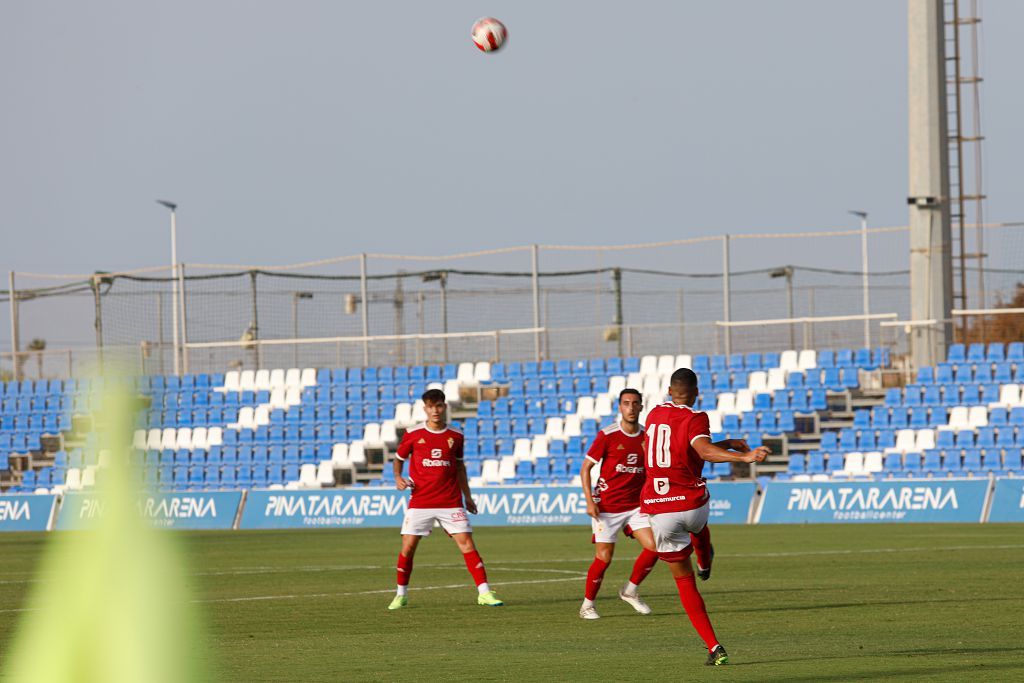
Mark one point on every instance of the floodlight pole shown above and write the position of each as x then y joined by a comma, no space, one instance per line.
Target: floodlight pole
863,215
173,208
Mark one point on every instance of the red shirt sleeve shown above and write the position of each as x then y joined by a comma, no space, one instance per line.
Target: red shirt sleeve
458,446
404,449
699,426
597,449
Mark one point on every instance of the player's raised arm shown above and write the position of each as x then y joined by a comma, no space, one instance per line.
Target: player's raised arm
711,452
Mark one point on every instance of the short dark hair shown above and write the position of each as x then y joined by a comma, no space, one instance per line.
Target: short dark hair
433,396
684,378
628,391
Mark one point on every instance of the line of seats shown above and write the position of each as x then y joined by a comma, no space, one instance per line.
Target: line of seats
932,463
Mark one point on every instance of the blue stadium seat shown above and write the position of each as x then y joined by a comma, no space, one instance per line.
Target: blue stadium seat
1015,352
847,440
826,358
976,353
861,419
893,463
944,439
956,354
867,441
701,364
932,462
831,378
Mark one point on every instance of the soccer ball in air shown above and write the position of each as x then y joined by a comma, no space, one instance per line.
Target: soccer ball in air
489,34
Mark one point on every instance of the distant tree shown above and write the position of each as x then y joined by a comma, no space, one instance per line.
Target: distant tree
1005,328
37,346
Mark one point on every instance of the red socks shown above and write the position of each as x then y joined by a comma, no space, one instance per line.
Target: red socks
404,569
694,606
475,566
642,567
702,547
594,577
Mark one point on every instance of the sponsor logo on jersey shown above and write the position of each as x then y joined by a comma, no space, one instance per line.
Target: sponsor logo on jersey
628,469
421,441
451,442
632,459
435,462
620,447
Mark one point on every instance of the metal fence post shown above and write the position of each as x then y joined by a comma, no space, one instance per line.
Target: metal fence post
366,309
536,302
617,283
13,301
255,319
98,323
726,298
184,319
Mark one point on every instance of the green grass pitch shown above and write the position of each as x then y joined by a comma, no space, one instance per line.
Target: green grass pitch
812,603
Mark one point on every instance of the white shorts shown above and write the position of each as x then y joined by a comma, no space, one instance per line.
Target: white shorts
672,530
420,521
608,524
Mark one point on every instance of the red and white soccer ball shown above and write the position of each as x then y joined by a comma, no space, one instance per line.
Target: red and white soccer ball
489,34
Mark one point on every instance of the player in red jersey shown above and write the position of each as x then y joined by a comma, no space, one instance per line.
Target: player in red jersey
675,495
437,478
617,452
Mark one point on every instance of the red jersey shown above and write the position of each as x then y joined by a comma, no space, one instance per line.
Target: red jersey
620,474
674,481
433,462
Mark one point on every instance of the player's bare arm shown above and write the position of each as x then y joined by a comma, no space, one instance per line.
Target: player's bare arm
401,483
585,469
463,479
710,452
739,445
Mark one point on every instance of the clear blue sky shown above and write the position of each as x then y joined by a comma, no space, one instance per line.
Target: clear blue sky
293,131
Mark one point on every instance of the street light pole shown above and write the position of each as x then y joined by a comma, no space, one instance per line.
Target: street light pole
787,272
174,280
863,215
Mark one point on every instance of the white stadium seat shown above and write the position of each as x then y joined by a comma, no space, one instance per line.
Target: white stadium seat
757,382
925,440
808,360
872,462
139,439
977,417
89,477
215,436
652,386
389,433
356,453
105,458
649,365
451,393
789,362
572,427
776,379
293,378
507,468
906,441
200,438
308,377
553,428
465,374
261,416
154,440
744,401
1009,396
231,380
539,447
482,372
403,415
371,435
603,406
683,360
307,476
247,381
184,439
727,403
634,380
277,399
262,380
325,473
293,396
522,449
715,421
277,380
169,441
959,418
853,465
73,480
666,365
616,383
418,413
585,408
489,471
339,455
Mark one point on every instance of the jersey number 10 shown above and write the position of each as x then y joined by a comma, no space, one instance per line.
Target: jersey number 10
659,454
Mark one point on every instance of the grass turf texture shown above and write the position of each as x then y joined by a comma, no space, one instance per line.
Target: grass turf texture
815,603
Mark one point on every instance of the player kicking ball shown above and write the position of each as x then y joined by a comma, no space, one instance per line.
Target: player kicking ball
437,479
676,497
614,502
